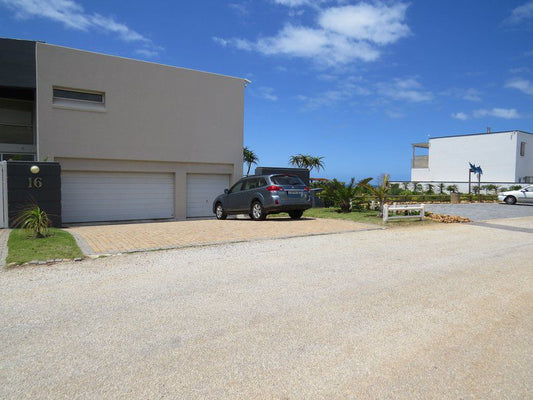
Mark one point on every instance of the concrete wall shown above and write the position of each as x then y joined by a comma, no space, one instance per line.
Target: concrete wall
449,158
524,165
152,112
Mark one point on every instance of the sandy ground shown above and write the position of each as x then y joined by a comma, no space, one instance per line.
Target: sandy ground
424,312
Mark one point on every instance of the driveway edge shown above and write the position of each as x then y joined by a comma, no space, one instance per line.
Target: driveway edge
208,244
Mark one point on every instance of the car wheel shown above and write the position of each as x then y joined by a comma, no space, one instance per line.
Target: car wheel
296,214
219,212
510,200
258,211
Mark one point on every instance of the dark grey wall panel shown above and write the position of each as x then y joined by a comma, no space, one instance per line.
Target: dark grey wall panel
25,188
17,63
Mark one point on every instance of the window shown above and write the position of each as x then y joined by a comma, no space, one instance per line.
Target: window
237,187
79,99
16,122
17,157
286,180
522,149
250,184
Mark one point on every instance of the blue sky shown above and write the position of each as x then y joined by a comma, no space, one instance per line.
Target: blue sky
354,82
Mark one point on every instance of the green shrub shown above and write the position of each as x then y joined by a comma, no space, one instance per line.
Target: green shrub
34,220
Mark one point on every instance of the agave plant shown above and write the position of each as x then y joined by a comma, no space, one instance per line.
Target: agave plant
34,220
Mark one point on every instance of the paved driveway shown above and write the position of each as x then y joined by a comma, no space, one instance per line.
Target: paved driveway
426,312
483,211
100,239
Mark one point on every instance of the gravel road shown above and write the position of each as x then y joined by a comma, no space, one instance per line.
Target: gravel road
483,211
434,311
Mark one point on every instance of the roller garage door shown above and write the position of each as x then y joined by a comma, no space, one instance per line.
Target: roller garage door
201,191
116,196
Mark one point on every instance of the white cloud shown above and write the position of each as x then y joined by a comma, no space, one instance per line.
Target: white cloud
460,115
342,34
506,113
298,3
521,84
377,23
239,8
469,94
520,14
405,89
72,15
346,91
394,114
266,93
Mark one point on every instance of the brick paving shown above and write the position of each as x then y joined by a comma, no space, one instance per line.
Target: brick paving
102,239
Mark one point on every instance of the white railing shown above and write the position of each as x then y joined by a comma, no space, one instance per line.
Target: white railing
390,212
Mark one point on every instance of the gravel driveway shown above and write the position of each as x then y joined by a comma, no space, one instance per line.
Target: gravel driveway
483,211
435,311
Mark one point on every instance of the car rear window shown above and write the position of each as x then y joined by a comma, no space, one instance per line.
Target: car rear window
286,180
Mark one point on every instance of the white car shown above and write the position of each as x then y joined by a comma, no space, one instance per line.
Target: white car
524,195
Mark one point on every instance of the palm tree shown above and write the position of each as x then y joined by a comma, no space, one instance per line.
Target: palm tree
249,157
307,161
380,192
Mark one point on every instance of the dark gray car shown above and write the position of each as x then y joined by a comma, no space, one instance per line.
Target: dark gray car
260,195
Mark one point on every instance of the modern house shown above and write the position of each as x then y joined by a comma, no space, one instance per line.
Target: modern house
135,140
505,157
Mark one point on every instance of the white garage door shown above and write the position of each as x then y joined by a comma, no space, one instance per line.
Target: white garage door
201,191
116,196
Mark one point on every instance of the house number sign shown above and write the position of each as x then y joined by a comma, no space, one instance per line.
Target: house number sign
36,183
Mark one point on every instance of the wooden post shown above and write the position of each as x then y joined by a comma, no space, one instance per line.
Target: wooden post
385,213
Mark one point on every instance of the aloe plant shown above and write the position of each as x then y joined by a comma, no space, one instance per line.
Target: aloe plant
34,220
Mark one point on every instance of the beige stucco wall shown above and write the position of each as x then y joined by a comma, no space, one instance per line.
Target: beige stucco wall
156,118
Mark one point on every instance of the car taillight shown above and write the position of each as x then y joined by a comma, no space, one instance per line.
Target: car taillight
306,188
274,188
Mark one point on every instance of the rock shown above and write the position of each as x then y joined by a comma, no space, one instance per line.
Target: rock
78,259
447,219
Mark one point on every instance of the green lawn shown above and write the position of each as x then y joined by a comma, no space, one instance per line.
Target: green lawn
356,216
23,248
369,217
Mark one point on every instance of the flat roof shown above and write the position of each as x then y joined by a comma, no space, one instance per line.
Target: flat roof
479,134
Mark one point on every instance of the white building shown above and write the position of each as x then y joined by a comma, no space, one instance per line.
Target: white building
505,157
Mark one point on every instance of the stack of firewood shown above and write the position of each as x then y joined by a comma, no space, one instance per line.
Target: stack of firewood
447,219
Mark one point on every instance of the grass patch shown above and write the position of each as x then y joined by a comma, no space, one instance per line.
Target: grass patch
356,216
369,217
23,248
